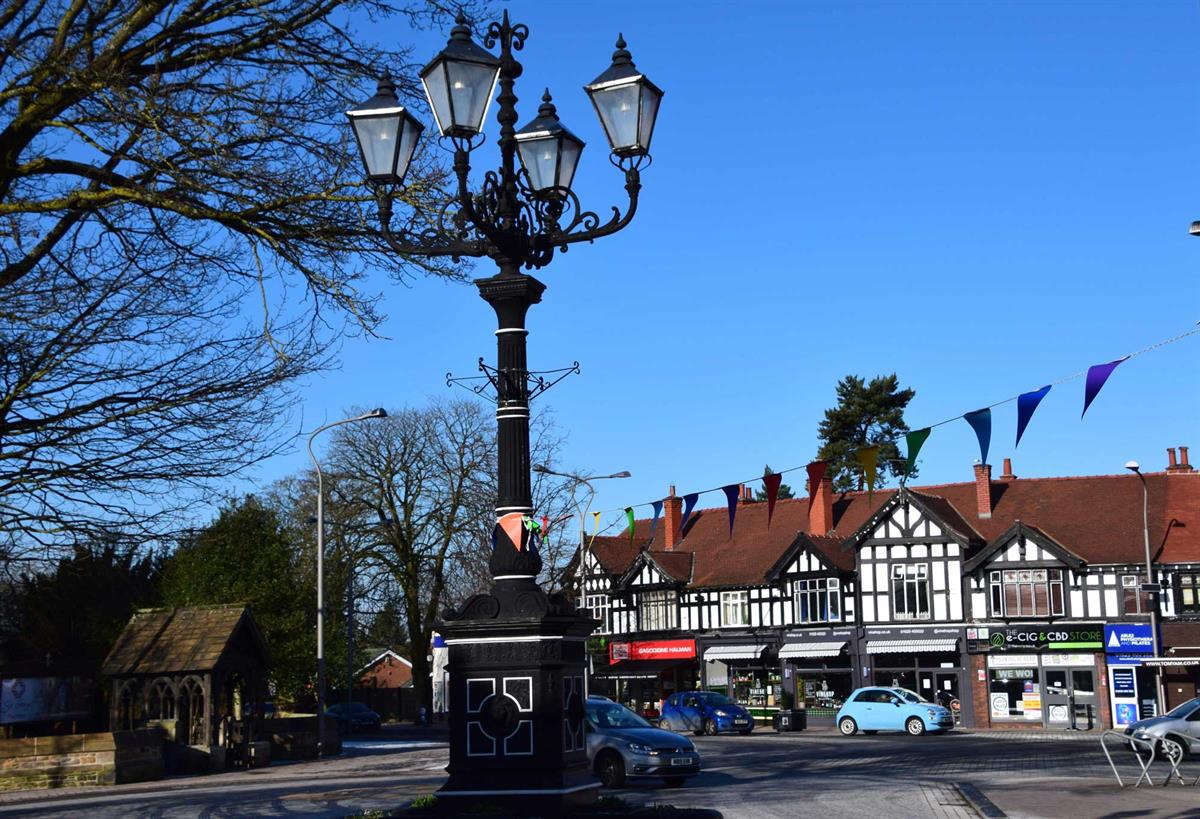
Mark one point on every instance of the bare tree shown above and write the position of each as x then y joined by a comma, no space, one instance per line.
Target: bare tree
182,235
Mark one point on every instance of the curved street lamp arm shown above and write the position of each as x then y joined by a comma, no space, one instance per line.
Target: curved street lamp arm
592,229
446,246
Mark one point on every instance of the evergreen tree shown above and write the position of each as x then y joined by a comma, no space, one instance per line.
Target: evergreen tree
866,413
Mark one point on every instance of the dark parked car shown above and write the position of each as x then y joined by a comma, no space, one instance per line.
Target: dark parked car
621,744
356,716
704,712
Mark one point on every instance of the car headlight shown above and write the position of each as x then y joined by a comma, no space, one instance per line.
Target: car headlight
932,713
639,748
721,712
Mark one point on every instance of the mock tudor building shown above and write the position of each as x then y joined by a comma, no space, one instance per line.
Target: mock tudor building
1017,601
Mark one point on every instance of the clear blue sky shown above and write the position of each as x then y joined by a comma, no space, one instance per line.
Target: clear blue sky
980,197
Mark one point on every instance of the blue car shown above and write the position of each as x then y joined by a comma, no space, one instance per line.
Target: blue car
704,712
891,709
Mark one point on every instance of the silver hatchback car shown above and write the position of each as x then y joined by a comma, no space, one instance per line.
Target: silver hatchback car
621,744
1181,725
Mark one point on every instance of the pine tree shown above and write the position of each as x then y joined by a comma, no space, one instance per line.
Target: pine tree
785,491
866,413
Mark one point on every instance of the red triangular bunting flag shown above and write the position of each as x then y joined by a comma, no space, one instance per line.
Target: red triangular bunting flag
771,484
512,524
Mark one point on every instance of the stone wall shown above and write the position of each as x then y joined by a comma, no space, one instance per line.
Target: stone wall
81,759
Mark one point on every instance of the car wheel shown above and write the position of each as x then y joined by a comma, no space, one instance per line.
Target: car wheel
664,724
710,727
675,781
847,726
915,726
611,770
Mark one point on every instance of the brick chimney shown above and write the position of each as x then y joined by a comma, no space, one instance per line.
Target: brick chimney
1171,465
1184,466
672,517
1007,475
983,490
820,507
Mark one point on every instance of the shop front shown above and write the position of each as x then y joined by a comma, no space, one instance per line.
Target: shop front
1132,681
747,672
927,660
640,674
817,672
1180,662
1040,675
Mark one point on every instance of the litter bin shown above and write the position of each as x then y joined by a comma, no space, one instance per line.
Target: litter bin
790,720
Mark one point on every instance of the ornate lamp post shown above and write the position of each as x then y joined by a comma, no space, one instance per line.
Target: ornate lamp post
516,655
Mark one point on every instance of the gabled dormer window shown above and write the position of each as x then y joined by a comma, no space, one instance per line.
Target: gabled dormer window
1027,593
818,600
657,611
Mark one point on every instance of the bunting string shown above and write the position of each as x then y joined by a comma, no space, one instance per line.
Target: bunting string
979,419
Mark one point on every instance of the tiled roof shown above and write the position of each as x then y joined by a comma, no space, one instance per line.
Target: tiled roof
171,640
677,565
1098,518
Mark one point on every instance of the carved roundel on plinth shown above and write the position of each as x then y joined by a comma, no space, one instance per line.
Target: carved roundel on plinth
499,716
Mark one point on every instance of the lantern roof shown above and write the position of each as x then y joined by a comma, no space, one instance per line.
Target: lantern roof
462,48
546,123
621,71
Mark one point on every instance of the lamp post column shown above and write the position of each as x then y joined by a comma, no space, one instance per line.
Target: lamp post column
511,294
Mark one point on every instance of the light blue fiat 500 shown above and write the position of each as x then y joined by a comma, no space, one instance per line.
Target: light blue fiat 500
891,709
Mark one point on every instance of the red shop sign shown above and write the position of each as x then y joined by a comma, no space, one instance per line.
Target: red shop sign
651,650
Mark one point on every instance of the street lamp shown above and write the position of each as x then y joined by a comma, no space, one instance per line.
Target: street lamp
1194,230
375,413
1133,467
585,480
523,212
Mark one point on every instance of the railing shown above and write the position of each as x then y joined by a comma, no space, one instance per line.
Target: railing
1146,752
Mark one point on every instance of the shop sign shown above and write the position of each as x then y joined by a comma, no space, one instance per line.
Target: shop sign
1063,660
1127,713
1124,683
820,635
1128,638
1171,662
914,632
651,650
1035,636
1126,659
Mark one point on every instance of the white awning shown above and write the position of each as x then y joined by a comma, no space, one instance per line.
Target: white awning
733,653
914,646
811,649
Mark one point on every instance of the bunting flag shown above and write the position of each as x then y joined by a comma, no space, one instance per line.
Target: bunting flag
1027,402
771,484
512,524
595,523
545,525
731,498
868,458
981,422
629,517
689,503
1096,376
914,441
657,511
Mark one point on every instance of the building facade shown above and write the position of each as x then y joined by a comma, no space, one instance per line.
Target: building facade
1017,602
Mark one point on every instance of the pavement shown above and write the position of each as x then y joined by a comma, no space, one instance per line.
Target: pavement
1024,775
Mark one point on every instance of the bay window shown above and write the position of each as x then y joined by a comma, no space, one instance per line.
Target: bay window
817,600
910,591
1027,593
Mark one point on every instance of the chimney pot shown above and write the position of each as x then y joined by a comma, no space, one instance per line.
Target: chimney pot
1008,475
1170,458
983,490
1183,459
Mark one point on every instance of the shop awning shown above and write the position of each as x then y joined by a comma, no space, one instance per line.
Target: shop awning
733,652
634,669
911,646
826,649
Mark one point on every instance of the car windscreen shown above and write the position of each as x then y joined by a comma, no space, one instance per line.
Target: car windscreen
1182,710
612,715
912,696
713,698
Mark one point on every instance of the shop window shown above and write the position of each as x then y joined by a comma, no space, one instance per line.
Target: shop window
1014,694
910,591
735,608
1133,599
1027,593
598,607
818,600
657,611
1189,593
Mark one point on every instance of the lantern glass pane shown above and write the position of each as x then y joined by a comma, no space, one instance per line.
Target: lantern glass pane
570,150
471,87
650,99
618,107
408,146
540,158
435,91
377,137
